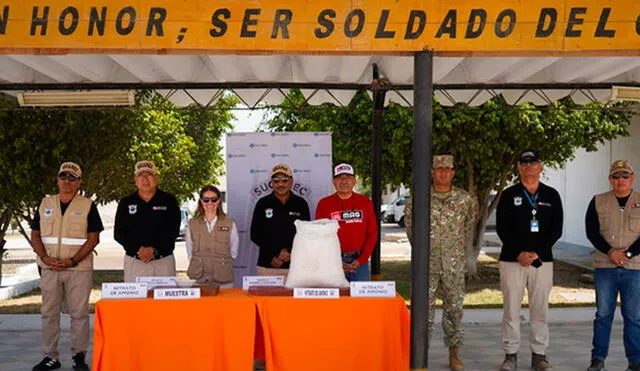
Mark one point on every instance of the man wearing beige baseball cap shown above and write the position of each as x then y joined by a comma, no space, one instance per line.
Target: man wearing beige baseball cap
147,225
612,224
272,228
65,230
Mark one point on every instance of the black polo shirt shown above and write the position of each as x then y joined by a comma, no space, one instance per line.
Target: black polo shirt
272,227
513,221
155,223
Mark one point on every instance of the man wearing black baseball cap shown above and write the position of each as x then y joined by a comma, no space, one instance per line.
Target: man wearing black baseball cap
529,222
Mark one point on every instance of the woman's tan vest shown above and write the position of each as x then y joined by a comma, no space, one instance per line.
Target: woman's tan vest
619,228
63,235
211,259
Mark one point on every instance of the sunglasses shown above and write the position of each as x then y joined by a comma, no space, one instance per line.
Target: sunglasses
209,199
283,179
621,175
69,177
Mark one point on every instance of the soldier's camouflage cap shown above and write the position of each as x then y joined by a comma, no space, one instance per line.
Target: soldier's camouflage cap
442,161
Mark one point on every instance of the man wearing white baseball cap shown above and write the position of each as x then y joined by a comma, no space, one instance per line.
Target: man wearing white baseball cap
358,231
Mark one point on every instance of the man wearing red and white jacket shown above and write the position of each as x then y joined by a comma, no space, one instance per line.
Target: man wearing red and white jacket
358,231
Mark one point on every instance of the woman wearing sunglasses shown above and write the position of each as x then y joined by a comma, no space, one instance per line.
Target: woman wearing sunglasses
212,241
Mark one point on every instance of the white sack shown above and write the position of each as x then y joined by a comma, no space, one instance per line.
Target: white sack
315,257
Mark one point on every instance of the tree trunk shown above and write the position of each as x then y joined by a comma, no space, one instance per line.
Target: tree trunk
5,220
472,250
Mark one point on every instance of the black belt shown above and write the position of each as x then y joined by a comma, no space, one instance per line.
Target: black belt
351,254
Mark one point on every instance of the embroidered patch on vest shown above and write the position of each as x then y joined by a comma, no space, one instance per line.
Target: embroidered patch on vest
77,213
223,228
161,208
48,212
133,209
635,205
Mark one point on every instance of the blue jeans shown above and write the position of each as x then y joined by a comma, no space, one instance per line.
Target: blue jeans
608,282
361,274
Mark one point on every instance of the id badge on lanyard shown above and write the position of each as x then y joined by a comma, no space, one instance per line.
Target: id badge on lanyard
534,224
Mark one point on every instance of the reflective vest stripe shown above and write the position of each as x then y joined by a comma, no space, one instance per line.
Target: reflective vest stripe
64,241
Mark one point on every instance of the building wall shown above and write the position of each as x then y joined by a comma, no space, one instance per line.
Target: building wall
587,175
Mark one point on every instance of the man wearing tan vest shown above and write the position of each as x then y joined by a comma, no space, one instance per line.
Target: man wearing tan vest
64,232
613,227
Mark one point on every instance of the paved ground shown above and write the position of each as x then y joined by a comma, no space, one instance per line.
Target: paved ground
569,349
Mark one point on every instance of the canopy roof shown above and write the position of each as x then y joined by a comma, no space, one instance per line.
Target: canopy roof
323,78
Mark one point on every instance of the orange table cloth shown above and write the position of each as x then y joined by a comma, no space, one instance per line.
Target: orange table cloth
335,334
210,333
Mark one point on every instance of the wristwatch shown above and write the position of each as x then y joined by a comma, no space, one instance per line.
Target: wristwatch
628,254
74,263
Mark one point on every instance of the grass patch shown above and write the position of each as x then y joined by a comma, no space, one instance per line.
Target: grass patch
481,293
484,292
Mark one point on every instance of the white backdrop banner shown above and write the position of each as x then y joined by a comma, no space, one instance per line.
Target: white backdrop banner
250,157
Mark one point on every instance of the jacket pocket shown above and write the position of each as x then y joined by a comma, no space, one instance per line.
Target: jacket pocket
196,268
46,227
223,270
634,224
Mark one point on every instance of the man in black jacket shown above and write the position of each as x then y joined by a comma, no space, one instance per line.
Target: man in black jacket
147,224
529,222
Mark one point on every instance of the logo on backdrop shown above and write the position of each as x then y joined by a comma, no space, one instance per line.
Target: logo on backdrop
274,155
233,155
321,154
254,145
264,188
298,145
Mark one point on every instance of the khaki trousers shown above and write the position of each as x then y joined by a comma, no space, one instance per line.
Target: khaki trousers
161,267
262,271
514,278
74,288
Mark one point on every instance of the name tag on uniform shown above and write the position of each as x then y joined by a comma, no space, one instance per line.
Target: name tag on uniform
177,293
223,228
316,293
535,226
123,290
48,212
373,289
160,208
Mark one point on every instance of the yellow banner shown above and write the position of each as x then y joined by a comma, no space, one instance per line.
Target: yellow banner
448,27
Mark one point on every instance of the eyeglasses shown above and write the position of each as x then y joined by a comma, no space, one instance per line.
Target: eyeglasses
209,199
528,162
622,175
69,177
283,179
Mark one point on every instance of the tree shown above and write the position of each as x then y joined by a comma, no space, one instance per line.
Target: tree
485,140
184,143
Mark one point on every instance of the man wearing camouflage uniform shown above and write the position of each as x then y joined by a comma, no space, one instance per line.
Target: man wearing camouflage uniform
453,212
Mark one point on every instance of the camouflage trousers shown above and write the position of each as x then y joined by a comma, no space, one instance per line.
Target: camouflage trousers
449,286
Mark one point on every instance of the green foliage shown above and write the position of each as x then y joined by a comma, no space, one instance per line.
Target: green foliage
485,140
107,143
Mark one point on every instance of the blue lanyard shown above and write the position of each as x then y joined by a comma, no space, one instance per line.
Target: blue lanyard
531,202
